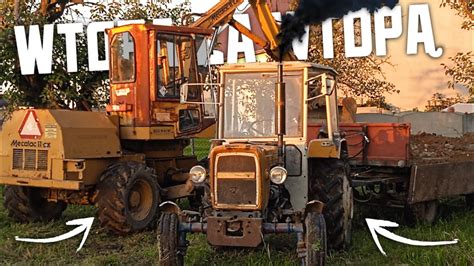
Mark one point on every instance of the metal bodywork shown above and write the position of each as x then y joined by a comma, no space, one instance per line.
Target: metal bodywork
436,181
71,153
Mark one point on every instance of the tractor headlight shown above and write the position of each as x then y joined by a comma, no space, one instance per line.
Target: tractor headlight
278,175
198,174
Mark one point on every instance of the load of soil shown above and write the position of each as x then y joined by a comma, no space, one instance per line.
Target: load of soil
431,148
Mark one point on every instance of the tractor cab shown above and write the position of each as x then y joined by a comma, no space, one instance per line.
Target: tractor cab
148,64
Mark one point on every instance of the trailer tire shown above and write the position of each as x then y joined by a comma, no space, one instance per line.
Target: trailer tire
128,198
329,183
422,212
315,239
470,200
168,240
25,204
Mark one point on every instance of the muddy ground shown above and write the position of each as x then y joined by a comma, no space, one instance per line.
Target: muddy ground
430,148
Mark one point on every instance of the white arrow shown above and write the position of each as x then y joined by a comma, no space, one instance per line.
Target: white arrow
84,224
376,226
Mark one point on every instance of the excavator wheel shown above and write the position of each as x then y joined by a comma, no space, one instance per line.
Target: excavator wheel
25,204
128,198
329,183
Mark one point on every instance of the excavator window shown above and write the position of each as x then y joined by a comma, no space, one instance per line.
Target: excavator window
123,58
176,65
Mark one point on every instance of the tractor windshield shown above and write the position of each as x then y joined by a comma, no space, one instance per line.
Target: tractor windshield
249,104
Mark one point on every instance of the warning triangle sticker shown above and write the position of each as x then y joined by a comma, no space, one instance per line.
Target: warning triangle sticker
30,128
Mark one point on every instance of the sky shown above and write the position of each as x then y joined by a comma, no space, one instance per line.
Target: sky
419,76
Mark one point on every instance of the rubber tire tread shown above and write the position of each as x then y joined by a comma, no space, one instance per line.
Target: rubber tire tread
315,231
25,205
111,202
168,240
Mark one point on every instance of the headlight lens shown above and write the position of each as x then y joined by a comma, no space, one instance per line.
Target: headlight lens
198,174
278,175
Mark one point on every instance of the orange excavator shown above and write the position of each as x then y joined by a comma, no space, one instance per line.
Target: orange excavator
131,158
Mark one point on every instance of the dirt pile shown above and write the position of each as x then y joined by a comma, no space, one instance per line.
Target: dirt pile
430,148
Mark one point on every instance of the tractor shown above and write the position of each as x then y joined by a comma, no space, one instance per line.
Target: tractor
267,172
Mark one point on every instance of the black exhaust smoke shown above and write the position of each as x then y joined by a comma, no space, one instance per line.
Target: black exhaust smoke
317,11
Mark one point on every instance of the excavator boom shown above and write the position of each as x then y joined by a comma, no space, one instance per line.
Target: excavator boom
222,13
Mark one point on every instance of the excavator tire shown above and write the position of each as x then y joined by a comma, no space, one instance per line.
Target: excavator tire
128,198
25,204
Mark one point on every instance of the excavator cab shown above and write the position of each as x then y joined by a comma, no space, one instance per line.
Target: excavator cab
148,65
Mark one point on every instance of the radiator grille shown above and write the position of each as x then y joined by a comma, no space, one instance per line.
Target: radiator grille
42,160
17,158
233,188
30,160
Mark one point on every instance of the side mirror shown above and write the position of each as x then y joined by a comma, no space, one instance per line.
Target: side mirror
330,84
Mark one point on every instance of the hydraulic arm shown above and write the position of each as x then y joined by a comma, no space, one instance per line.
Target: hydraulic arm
222,13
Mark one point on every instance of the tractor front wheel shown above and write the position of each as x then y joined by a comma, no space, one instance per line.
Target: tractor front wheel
315,239
128,197
26,205
170,252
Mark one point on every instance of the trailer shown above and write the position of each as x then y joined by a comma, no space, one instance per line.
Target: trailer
392,168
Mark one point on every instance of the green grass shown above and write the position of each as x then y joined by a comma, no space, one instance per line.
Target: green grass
102,248
201,148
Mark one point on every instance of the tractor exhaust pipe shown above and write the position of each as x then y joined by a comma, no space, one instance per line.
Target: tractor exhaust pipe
280,116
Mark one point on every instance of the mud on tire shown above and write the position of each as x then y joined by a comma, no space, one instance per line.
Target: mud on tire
25,204
128,198
168,240
315,239
329,183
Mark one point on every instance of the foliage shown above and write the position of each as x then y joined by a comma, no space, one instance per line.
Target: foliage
439,102
359,77
461,69
83,89
463,9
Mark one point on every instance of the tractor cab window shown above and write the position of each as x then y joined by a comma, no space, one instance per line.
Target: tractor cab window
249,104
176,65
123,58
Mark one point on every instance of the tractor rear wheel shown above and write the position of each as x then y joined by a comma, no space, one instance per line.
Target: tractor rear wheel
170,253
329,183
25,204
128,197
315,239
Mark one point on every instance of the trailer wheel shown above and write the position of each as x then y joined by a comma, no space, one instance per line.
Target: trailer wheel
422,212
329,183
470,200
128,197
170,253
315,239
25,204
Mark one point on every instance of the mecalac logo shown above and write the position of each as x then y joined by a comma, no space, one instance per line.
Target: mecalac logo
30,144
